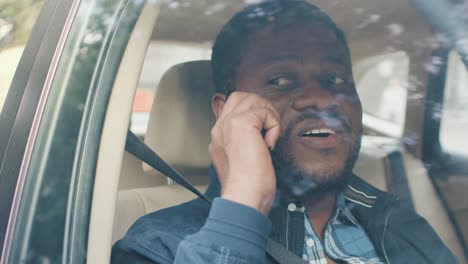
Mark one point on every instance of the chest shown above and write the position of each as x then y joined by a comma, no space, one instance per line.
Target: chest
343,240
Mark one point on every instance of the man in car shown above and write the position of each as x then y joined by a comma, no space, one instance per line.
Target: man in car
287,135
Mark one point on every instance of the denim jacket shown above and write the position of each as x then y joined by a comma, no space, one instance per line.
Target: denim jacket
228,232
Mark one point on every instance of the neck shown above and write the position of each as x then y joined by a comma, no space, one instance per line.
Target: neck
319,209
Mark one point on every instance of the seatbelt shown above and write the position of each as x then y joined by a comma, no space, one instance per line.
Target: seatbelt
399,179
140,150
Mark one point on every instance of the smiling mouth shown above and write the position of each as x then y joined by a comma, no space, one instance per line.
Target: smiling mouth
321,138
319,133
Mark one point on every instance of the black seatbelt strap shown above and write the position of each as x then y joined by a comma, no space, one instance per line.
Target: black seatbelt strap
140,150
399,179
281,254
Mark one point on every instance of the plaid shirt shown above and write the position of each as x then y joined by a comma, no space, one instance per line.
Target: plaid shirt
344,239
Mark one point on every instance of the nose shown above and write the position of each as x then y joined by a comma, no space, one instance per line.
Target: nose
314,96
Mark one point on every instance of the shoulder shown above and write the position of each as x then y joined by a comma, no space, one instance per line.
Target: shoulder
405,235
411,236
188,215
157,235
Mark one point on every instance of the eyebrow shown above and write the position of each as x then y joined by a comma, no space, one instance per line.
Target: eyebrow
336,60
283,58
293,58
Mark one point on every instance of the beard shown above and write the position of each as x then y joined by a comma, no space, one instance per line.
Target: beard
295,183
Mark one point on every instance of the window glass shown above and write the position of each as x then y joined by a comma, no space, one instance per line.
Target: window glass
382,88
161,55
17,18
54,204
454,122
394,53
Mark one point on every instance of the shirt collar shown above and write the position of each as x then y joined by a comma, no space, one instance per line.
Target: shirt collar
342,211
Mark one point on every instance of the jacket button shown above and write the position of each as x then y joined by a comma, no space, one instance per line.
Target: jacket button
292,207
310,242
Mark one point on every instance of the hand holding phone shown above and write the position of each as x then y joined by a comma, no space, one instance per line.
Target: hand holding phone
246,129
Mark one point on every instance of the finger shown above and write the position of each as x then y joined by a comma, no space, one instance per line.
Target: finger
231,103
269,123
272,129
267,118
242,101
255,101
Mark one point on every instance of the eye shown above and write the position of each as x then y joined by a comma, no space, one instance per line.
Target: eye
281,81
335,80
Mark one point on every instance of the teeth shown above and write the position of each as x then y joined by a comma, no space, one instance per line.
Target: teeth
327,130
320,131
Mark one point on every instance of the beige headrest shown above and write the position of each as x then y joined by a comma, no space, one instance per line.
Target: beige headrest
181,117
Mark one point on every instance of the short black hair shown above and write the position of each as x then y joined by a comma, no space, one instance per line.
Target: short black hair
229,44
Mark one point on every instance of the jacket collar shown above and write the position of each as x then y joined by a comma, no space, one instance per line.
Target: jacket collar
367,204
361,193
357,191
366,198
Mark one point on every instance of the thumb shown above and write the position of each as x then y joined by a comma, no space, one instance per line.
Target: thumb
271,136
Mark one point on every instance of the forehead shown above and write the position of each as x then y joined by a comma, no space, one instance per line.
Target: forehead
308,41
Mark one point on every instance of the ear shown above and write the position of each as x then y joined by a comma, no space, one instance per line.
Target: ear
217,103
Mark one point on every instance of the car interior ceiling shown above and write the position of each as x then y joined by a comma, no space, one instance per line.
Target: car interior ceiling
181,116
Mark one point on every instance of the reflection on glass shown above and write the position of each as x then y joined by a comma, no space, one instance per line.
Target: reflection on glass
161,56
455,112
17,19
383,90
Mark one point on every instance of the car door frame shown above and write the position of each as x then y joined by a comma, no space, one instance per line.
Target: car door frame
75,215
25,100
441,164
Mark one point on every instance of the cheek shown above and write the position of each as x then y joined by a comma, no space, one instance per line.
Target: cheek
282,106
352,107
244,84
357,116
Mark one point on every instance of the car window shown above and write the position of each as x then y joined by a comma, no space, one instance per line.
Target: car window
454,117
17,18
161,55
392,46
53,199
393,50
383,91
